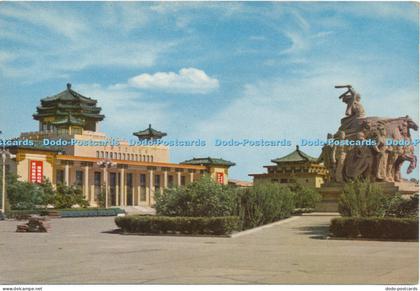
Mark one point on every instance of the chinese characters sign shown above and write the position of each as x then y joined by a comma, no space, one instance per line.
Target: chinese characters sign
36,171
220,178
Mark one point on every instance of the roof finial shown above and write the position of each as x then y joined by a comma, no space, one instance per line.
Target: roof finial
297,147
68,86
150,125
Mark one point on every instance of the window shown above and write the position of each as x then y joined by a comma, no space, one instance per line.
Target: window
142,187
283,180
151,159
79,178
157,182
123,156
143,180
60,177
182,180
119,156
111,155
97,179
129,182
170,181
97,154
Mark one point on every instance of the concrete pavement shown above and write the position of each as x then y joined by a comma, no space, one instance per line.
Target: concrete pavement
79,250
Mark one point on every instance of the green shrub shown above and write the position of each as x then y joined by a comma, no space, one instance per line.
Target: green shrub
362,198
176,225
203,197
67,196
305,197
264,203
26,196
400,207
375,227
344,227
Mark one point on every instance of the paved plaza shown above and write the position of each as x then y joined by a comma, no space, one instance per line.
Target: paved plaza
81,250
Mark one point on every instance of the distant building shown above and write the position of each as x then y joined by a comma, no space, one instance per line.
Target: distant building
128,174
296,167
217,168
239,183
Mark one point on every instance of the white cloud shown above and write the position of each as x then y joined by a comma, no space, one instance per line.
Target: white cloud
187,80
304,106
302,36
139,110
59,40
58,20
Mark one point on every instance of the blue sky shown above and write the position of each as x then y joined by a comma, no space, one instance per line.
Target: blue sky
211,70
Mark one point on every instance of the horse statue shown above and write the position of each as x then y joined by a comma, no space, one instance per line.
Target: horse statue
382,161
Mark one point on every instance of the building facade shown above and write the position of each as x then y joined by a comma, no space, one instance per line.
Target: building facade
76,154
296,167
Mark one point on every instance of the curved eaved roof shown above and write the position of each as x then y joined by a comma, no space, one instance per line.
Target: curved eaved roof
295,156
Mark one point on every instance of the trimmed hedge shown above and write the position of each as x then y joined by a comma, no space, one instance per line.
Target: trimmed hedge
174,225
375,228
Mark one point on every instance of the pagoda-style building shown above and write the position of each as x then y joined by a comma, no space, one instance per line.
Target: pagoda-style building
69,149
217,168
149,134
296,167
68,112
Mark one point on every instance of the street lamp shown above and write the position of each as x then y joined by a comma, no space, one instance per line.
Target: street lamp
106,164
4,154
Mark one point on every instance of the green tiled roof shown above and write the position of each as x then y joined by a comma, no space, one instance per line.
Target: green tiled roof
295,156
69,95
208,161
69,101
68,120
149,133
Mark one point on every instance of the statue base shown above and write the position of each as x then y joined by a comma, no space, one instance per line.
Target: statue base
331,193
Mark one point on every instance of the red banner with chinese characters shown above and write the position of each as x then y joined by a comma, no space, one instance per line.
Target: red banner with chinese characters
36,171
220,177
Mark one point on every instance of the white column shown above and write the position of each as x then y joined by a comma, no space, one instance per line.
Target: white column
106,187
67,174
178,178
165,179
92,194
86,182
138,188
122,188
151,188
191,177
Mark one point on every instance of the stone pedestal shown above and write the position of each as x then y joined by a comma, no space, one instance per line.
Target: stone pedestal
331,193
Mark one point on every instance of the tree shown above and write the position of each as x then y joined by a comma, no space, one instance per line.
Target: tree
361,198
203,197
305,197
24,195
68,196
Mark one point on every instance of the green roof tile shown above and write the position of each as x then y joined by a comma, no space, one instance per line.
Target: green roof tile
295,156
208,161
149,133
